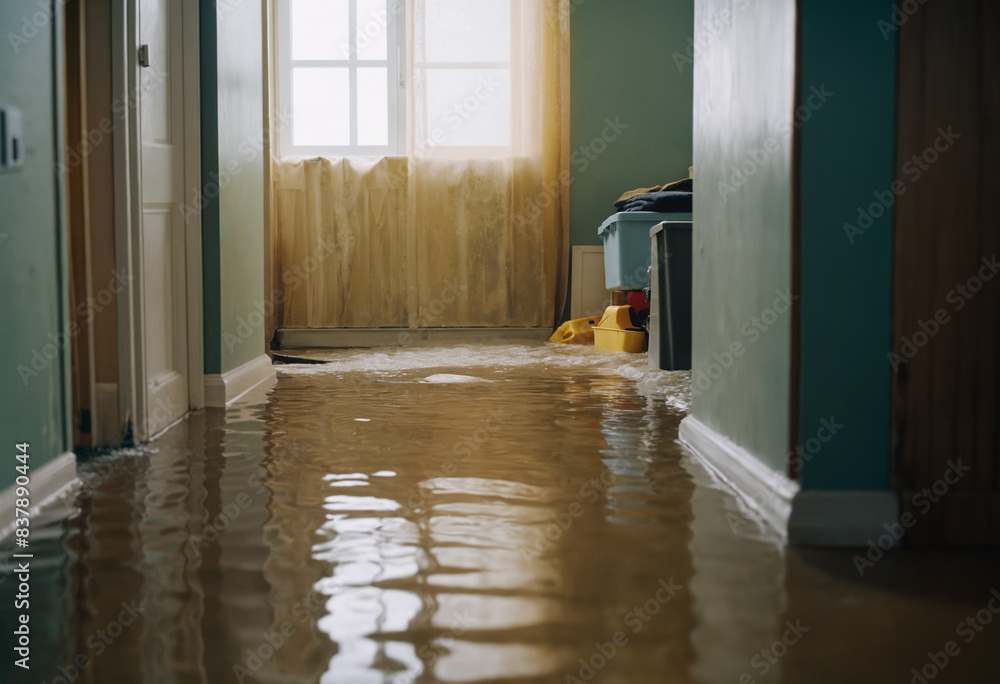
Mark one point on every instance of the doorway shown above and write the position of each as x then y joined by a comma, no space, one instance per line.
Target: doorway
947,293
132,159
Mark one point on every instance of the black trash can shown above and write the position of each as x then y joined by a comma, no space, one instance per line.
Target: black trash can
670,295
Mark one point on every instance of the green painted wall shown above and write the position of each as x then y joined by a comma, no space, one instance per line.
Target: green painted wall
232,182
33,328
629,63
848,150
744,84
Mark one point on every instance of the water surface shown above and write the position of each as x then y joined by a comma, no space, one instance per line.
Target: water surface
469,514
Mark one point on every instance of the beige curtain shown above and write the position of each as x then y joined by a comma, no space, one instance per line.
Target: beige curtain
447,236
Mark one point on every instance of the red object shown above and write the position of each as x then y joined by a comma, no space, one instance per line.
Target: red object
637,300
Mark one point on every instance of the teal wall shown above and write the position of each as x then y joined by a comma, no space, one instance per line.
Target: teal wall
623,67
848,150
232,182
33,325
744,87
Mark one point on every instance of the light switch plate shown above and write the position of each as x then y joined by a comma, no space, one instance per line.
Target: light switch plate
11,139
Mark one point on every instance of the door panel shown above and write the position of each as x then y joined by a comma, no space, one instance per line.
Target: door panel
947,297
164,290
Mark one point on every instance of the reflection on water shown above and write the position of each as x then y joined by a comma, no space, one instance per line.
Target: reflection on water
476,514
465,528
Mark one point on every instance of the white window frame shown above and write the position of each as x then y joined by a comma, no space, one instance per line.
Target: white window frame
395,65
425,135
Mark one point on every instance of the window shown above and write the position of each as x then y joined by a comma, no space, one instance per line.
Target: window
462,67
342,76
339,79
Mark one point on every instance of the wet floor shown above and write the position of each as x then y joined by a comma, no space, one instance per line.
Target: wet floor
474,514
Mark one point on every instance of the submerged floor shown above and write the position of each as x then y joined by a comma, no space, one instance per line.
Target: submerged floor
474,514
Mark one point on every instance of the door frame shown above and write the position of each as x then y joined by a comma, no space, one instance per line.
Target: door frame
133,409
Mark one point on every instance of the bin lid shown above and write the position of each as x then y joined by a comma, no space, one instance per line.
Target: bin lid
640,216
671,225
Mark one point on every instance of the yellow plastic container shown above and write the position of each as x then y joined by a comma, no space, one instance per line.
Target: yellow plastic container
618,330
576,331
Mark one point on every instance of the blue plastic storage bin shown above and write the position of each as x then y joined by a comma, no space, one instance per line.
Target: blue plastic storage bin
627,248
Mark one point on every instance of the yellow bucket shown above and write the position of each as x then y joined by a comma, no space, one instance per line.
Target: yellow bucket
618,330
576,331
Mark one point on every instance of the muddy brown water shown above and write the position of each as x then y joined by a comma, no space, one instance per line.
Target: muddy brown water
473,514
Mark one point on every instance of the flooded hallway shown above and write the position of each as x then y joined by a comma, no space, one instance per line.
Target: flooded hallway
499,342
502,514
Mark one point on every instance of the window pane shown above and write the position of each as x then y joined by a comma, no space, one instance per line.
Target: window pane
373,28
321,101
468,107
463,31
373,106
320,29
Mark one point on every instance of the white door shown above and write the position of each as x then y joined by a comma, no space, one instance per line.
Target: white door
163,250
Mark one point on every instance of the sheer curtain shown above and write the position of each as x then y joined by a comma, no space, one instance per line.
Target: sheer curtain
470,228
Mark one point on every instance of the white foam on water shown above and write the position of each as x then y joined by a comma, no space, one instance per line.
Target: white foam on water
672,387
399,365
450,378
490,357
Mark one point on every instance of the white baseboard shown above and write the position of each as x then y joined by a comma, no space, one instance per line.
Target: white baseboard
223,390
852,518
360,338
46,485
765,492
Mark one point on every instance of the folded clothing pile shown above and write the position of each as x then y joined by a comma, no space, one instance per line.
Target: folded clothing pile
672,197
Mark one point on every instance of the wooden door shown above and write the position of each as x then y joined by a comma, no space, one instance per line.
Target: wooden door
947,290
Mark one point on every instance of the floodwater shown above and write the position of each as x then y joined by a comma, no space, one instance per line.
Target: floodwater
471,514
